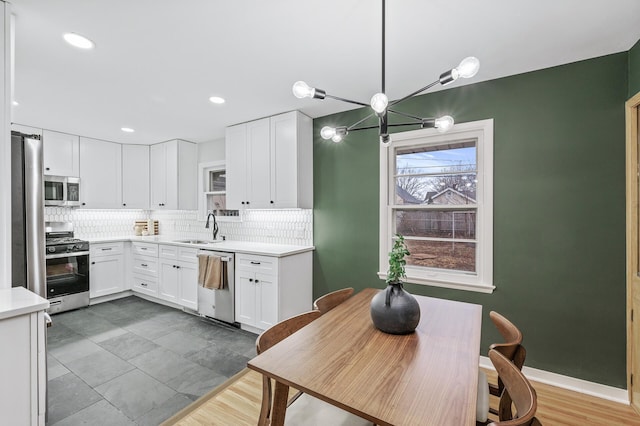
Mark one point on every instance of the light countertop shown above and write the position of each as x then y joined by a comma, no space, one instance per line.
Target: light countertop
247,247
20,301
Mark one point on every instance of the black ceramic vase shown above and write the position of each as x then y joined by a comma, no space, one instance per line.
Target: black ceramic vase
394,310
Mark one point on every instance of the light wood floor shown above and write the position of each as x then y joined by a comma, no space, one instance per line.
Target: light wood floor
237,403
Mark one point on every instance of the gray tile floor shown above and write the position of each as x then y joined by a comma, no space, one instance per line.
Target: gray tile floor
134,362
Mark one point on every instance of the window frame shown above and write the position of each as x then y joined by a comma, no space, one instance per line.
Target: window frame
482,132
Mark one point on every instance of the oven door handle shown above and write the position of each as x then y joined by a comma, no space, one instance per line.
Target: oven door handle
61,255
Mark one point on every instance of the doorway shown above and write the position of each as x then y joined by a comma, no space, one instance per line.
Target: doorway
632,108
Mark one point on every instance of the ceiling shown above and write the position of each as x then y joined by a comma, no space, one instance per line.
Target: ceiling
157,62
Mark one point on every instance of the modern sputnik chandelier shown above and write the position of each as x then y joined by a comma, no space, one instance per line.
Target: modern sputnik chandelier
382,106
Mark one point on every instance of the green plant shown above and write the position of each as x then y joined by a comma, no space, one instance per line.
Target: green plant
396,260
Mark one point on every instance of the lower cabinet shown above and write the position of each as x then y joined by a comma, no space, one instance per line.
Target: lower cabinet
106,272
271,289
178,281
145,268
23,369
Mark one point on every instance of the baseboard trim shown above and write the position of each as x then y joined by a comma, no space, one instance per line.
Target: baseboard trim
598,390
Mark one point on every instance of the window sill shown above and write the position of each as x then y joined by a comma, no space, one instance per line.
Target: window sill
479,288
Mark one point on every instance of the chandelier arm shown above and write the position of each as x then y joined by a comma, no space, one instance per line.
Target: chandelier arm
378,127
346,100
360,121
429,86
404,114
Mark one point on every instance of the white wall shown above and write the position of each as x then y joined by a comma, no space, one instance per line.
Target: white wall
5,146
211,151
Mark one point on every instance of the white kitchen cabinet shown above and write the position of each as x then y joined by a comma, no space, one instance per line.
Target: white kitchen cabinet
270,163
145,268
61,154
178,281
173,175
135,177
107,272
271,289
100,174
23,358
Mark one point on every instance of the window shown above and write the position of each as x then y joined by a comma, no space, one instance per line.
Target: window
436,189
213,187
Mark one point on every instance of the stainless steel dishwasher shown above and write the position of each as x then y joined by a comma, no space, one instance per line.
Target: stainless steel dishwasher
219,304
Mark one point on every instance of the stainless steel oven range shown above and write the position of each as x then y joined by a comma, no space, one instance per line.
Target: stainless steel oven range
67,268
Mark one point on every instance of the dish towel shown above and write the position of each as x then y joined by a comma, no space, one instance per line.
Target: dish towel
212,272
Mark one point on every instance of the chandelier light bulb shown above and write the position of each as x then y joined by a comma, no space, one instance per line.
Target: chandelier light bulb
379,102
303,90
468,67
328,132
444,123
337,138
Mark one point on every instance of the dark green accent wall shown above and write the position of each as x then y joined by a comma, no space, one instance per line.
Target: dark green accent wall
634,69
559,211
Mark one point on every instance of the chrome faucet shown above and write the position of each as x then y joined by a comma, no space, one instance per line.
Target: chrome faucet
215,224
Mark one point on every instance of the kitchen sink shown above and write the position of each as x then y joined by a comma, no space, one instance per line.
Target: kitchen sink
195,241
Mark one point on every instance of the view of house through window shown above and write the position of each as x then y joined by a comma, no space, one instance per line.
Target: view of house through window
437,192
435,189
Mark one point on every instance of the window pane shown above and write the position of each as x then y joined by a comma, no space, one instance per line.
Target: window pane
442,255
453,189
444,158
436,224
217,180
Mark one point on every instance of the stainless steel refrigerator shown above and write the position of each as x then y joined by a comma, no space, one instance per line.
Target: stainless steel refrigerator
27,214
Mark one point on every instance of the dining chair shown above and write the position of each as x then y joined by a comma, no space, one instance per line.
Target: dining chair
513,350
302,409
518,390
330,300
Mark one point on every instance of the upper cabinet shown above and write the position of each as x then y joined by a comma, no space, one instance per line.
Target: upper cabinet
270,163
135,176
173,167
61,153
100,174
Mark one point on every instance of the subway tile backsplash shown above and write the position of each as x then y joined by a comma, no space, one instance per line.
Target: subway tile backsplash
266,226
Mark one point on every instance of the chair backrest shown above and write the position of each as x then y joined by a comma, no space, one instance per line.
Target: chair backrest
519,390
510,333
271,336
330,300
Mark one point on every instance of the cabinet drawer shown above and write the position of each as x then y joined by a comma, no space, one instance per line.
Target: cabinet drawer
145,249
253,263
186,254
145,284
168,252
145,265
106,249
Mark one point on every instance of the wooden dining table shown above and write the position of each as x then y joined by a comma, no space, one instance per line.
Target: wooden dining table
428,377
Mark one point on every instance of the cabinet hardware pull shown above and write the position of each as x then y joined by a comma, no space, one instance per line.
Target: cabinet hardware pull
144,264
47,168
255,263
242,202
178,266
257,281
107,249
143,284
250,280
124,204
271,201
93,263
143,248
84,204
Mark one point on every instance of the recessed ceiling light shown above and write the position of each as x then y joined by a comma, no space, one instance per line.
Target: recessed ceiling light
15,103
217,100
78,41
127,129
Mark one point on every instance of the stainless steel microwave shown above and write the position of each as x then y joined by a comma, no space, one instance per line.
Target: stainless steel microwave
61,191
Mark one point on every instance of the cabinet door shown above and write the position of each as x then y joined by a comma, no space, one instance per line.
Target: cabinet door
61,153
171,175
100,174
188,292
267,301
169,279
245,288
158,176
284,159
187,176
258,163
107,275
236,158
135,176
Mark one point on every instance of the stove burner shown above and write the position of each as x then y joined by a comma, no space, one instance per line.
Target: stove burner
62,240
